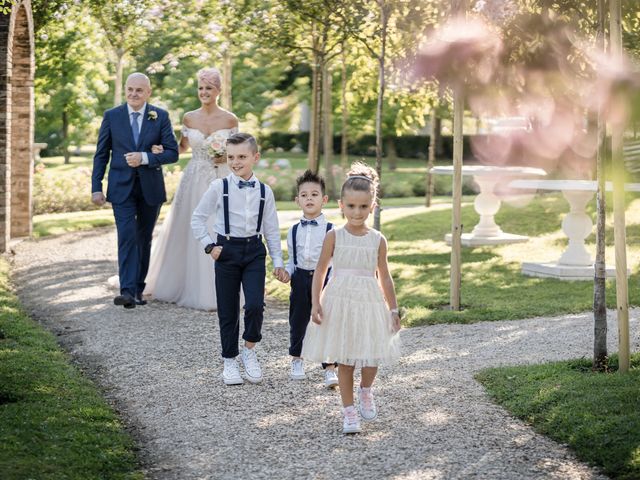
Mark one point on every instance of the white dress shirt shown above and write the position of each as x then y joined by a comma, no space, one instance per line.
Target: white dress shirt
309,240
244,205
145,159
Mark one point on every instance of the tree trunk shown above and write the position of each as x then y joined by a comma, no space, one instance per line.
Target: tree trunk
117,91
392,153
431,158
227,79
617,165
438,136
384,21
599,290
327,127
316,107
65,137
344,140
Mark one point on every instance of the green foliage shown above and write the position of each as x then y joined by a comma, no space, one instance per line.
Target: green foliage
596,414
5,6
70,80
53,421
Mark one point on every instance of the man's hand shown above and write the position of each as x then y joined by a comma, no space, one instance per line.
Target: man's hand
157,149
98,198
134,159
215,253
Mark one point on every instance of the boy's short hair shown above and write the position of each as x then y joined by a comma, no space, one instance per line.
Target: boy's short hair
240,138
309,177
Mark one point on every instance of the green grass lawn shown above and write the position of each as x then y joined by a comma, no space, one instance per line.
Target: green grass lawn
492,286
596,414
53,422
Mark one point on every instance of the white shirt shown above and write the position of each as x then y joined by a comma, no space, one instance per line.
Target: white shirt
145,159
309,240
244,205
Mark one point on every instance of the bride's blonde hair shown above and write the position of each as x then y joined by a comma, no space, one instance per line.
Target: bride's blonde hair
210,76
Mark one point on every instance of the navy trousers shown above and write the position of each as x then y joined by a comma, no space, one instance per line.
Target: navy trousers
241,264
135,220
300,310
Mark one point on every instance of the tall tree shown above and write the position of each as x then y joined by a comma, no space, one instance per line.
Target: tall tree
123,24
69,80
311,31
599,282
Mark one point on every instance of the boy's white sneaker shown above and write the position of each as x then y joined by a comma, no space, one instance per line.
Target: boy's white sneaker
252,369
330,378
351,422
367,404
231,372
297,369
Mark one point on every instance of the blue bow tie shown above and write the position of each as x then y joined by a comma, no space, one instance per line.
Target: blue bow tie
304,223
242,184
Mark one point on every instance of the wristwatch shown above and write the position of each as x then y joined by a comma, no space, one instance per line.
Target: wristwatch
209,248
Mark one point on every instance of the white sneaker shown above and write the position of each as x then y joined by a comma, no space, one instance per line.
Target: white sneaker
330,378
367,404
252,368
231,372
351,423
297,369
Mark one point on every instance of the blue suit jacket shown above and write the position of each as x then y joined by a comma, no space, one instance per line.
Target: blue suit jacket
116,138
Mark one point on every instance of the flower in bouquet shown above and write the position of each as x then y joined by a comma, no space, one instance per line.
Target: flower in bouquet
216,147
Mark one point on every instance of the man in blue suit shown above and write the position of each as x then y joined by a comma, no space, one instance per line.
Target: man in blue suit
135,182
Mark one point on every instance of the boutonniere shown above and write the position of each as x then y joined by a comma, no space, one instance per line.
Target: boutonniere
152,115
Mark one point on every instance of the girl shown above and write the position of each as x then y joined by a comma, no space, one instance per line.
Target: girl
352,323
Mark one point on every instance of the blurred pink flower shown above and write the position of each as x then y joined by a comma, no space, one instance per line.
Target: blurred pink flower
463,49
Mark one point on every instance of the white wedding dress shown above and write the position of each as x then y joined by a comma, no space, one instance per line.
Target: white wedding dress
179,270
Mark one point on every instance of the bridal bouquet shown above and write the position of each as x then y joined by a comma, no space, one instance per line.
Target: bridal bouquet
216,147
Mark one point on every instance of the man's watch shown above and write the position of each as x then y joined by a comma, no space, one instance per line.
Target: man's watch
208,249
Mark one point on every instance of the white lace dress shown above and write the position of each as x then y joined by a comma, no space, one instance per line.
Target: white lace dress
179,270
357,325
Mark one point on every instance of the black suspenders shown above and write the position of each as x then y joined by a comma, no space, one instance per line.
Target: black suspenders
225,205
294,238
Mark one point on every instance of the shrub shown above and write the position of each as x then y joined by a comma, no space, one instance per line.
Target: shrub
70,191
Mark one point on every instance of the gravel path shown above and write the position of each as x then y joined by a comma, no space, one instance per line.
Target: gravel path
159,366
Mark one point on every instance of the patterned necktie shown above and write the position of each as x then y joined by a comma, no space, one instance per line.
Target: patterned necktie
304,223
242,184
134,126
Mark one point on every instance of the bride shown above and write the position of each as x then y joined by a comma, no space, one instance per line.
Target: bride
179,270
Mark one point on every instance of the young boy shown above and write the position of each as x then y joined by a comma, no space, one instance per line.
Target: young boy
244,211
304,241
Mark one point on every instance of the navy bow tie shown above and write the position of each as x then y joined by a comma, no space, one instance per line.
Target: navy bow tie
304,223
242,184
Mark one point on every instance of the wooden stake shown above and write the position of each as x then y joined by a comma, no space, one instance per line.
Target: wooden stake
617,164
456,216
460,7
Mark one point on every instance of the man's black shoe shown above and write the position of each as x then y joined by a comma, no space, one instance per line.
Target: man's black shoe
125,300
140,301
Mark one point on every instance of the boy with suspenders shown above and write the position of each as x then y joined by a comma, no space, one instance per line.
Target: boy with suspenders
304,241
244,211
